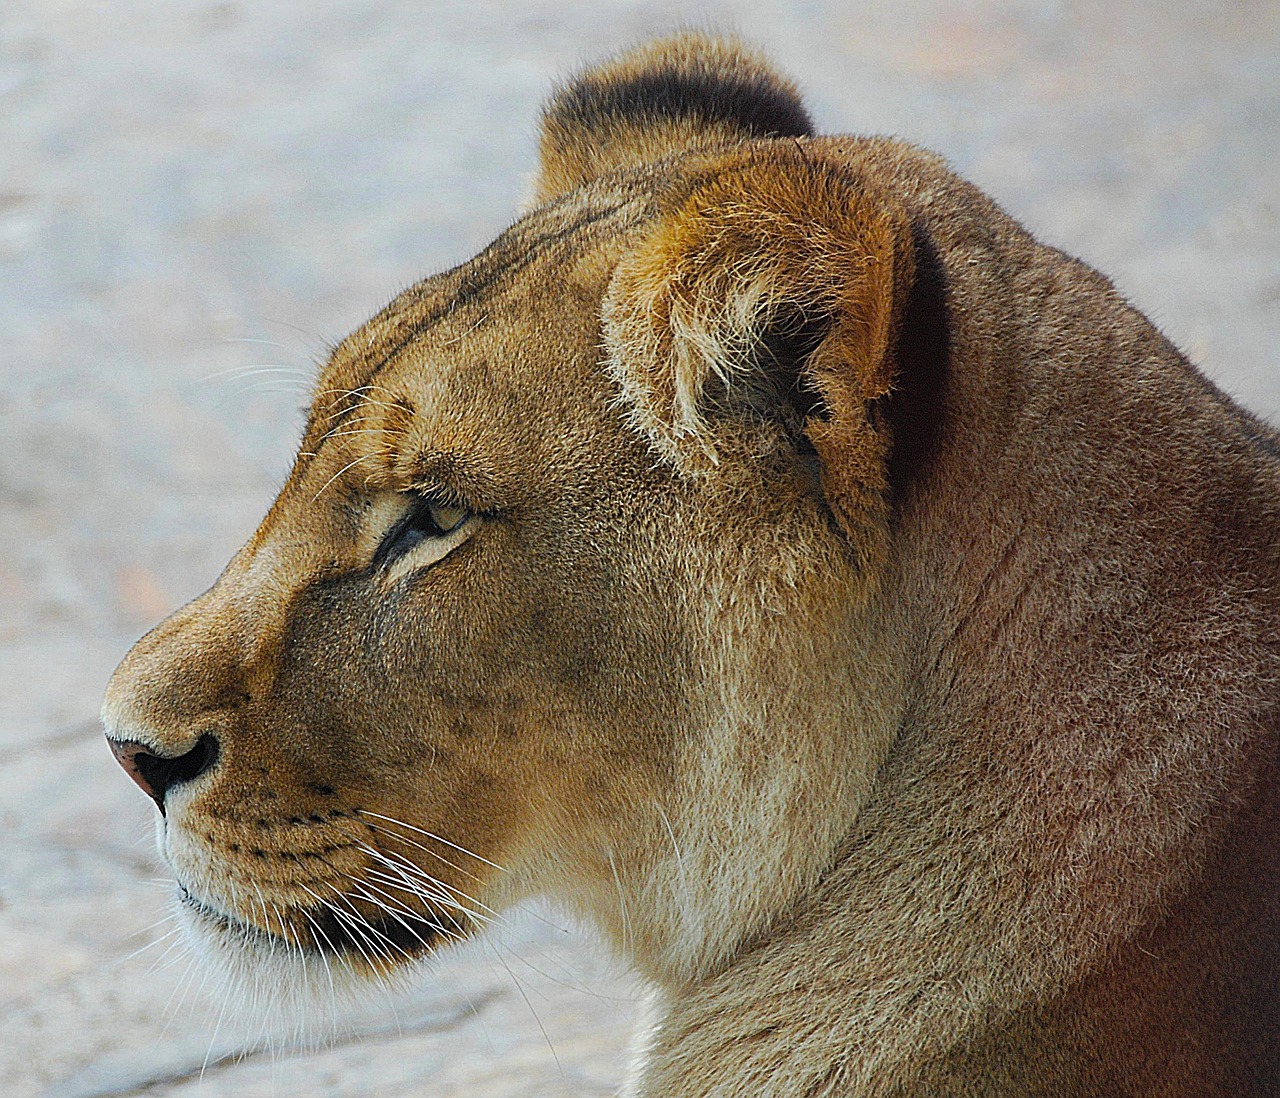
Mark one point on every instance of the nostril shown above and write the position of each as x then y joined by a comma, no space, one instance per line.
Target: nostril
157,774
162,773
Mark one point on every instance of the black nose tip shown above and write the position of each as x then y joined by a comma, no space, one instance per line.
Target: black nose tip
157,774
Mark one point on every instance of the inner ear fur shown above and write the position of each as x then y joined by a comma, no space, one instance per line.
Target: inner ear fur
773,239
668,96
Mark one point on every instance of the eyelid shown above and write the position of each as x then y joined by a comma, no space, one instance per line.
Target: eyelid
448,511
417,525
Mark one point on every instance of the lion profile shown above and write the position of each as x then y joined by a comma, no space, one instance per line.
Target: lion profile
772,553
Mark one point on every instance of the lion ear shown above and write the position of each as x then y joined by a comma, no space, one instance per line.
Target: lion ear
777,249
670,95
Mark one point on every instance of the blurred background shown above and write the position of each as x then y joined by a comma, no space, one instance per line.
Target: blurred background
197,196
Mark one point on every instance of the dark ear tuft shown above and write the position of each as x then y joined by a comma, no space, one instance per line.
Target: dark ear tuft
669,95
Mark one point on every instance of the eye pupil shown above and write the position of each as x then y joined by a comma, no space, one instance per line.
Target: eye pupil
413,533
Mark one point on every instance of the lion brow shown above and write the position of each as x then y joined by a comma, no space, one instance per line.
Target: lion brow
451,474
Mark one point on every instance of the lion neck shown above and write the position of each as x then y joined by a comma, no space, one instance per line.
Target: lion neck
1062,694
798,706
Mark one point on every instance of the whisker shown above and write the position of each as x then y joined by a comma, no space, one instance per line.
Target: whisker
274,385
424,886
184,983
321,345
429,835
622,904
416,871
151,926
177,930
527,1002
441,904
370,387
463,335
426,849
349,465
359,395
217,1027
257,368
361,431
264,342
358,935
366,892
317,931
568,982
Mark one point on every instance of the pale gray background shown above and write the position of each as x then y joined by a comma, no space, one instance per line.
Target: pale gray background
190,190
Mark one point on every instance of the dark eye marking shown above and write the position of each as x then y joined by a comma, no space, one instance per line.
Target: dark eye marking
425,519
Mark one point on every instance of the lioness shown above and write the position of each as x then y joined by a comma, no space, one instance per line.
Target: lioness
771,552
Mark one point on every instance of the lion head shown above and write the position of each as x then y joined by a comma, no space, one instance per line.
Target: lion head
579,534
757,549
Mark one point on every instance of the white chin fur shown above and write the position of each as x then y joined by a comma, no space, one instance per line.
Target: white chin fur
276,991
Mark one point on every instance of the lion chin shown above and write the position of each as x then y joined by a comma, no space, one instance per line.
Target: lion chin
302,970
313,936
349,945
771,553
273,988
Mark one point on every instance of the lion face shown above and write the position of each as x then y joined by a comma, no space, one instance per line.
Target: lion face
432,653
566,592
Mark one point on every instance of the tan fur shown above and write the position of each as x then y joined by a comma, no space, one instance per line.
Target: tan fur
869,621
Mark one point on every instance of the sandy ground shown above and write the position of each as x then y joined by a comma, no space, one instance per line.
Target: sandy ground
196,197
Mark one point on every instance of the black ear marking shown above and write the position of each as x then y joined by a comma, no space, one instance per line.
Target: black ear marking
913,411
750,102
663,98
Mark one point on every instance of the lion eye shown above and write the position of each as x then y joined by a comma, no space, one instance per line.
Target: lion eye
425,519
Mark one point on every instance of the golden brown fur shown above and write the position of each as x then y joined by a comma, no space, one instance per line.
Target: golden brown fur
867,619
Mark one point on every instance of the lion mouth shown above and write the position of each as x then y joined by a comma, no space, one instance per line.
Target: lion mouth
333,932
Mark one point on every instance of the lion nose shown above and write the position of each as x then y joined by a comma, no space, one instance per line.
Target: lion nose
157,774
